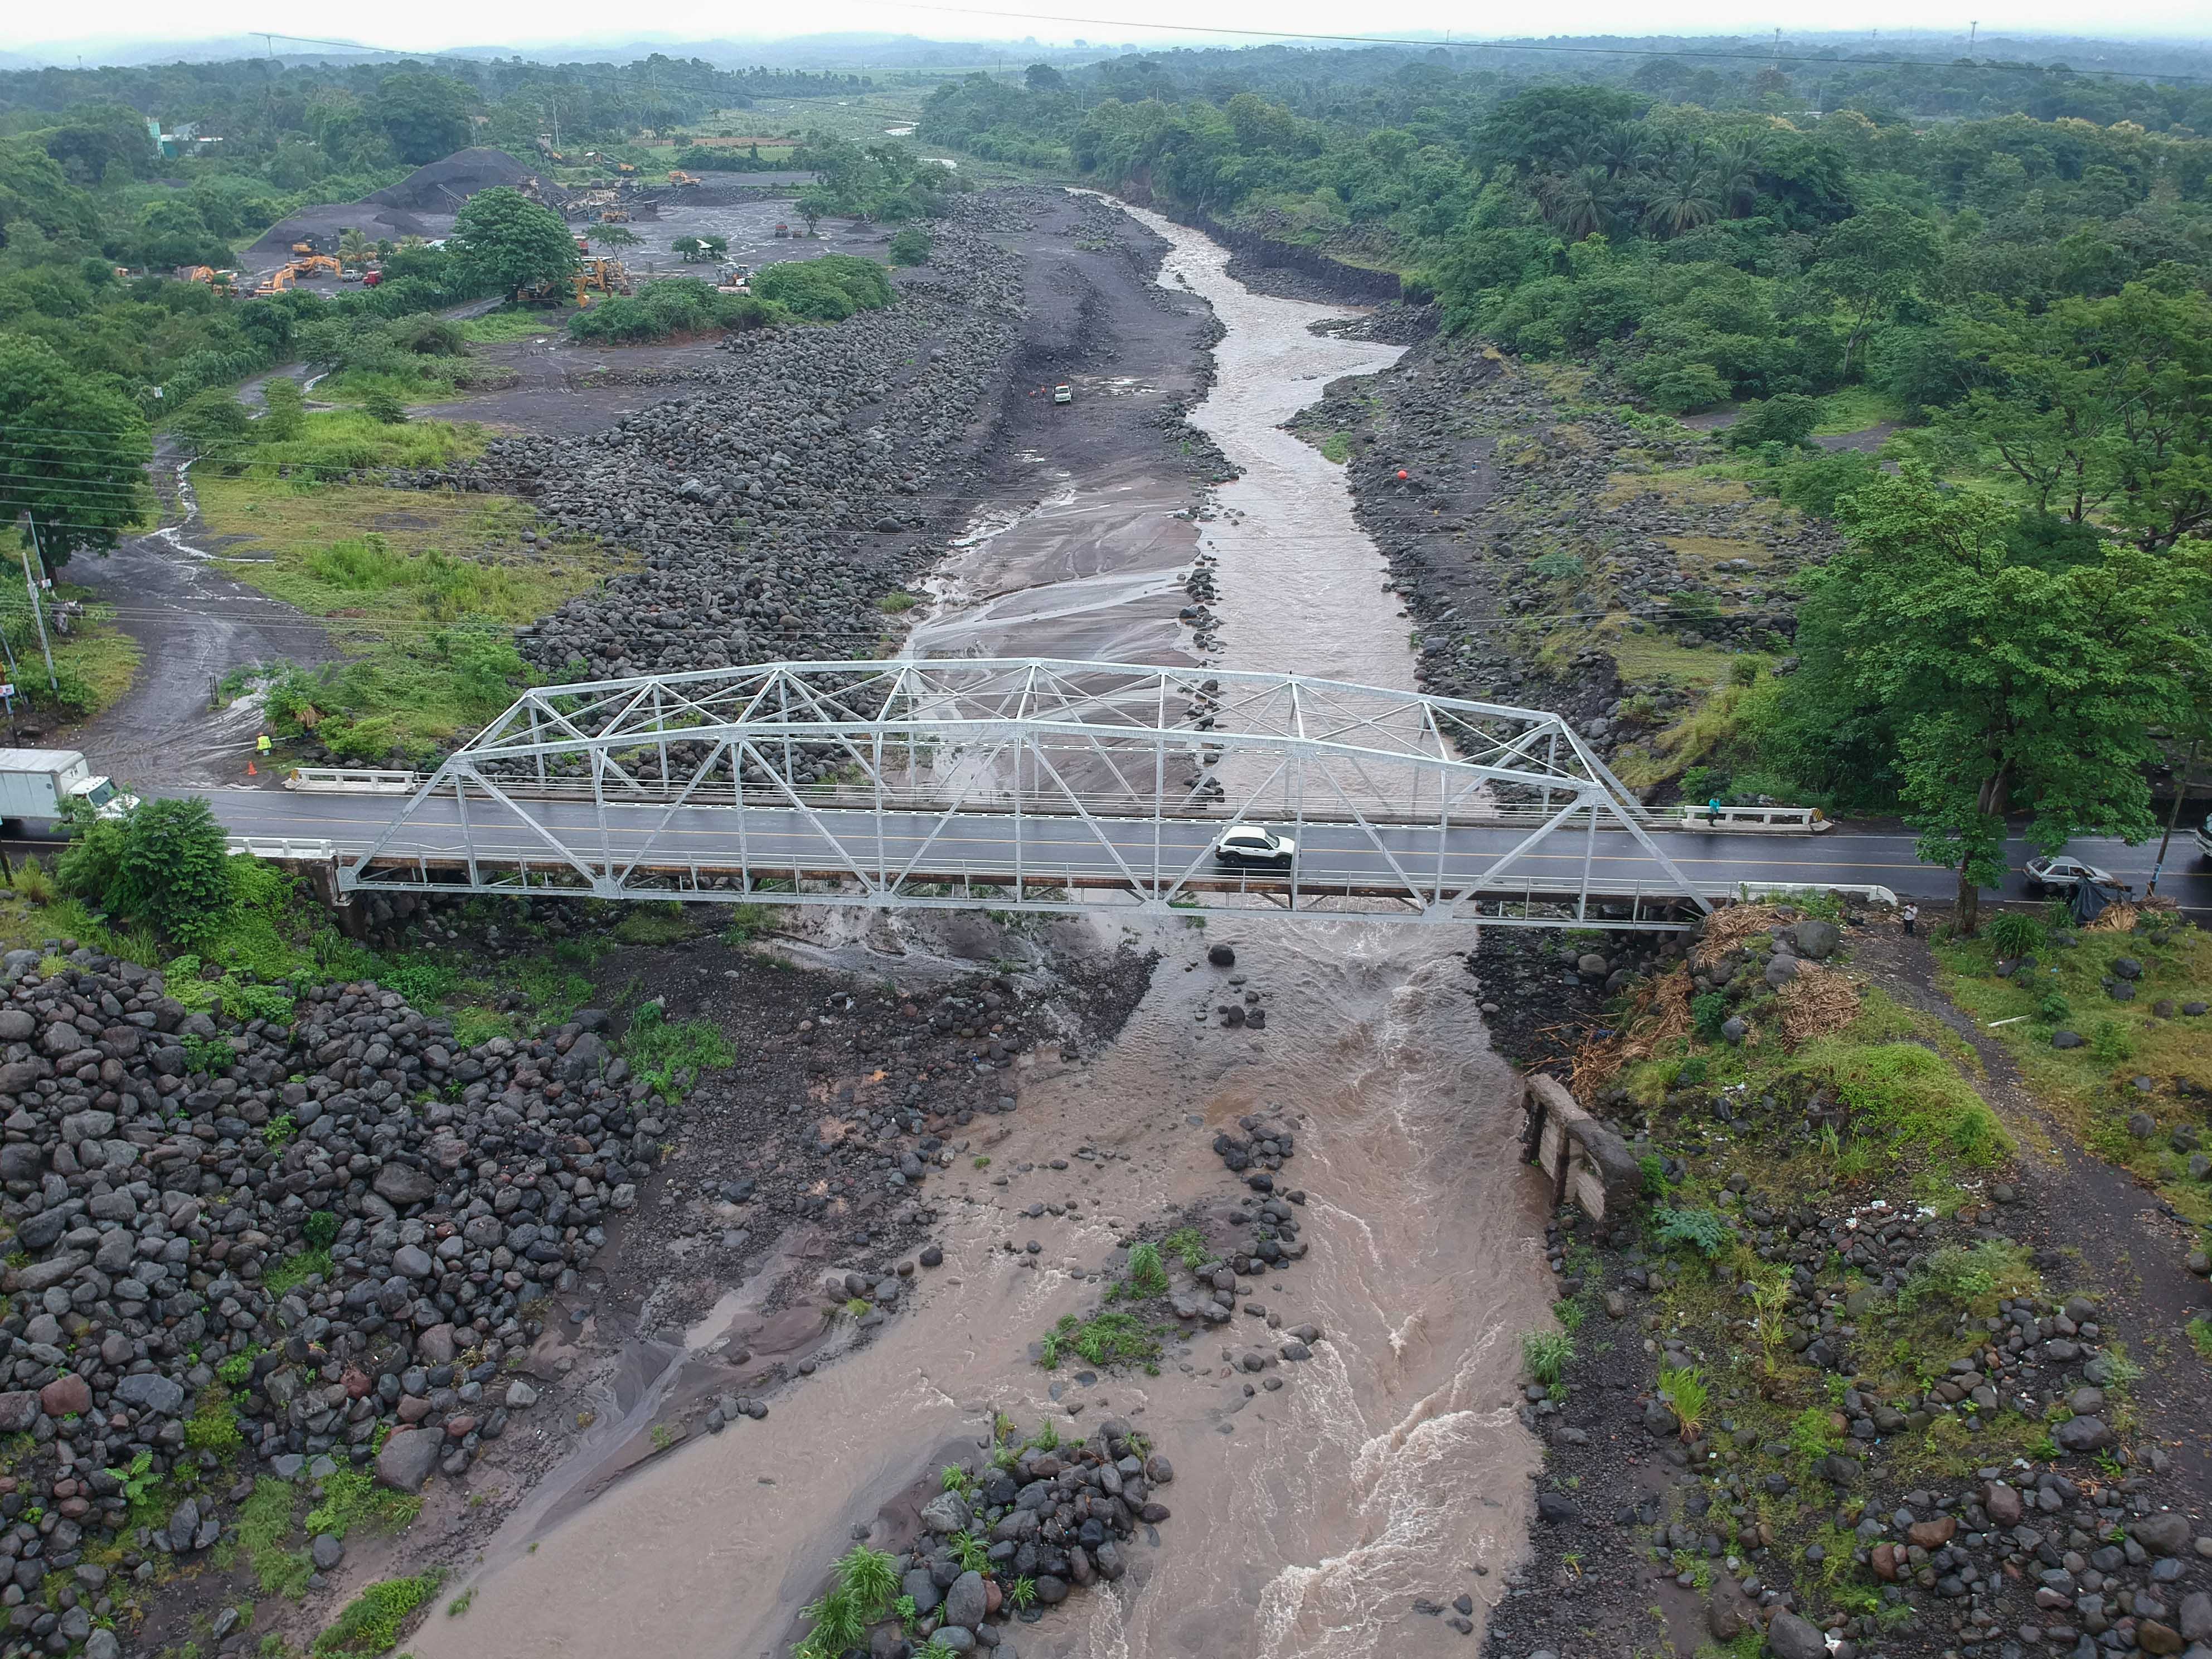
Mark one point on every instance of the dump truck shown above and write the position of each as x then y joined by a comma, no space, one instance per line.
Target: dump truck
48,785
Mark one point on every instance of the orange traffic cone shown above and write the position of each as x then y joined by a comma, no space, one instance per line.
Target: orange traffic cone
250,772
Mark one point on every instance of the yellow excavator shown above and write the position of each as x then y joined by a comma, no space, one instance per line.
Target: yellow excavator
318,265
678,177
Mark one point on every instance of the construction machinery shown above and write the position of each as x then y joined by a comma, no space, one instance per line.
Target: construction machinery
318,265
677,176
599,275
615,215
625,168
274,283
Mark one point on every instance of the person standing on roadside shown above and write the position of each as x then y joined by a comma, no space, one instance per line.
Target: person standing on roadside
1911,914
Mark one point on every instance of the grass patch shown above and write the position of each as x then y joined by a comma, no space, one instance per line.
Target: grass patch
897,600
513,322
1337,447
370,1624
359,554
1854,409
352,1498
435,382
669,1055
263,1529
654,924
1107,1340
340,441
296,1269
2091,1089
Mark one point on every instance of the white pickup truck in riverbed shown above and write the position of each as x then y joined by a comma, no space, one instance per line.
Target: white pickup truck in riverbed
49,784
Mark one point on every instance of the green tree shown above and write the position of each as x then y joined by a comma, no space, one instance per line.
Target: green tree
2099,406
2006,677
910,247
424,116
613,236
76,452
285,404
813,206
509,242
354,246
1872,261
688,248
167,865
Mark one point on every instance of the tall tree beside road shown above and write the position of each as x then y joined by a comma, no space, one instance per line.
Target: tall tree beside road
511,242
74,451
2007,675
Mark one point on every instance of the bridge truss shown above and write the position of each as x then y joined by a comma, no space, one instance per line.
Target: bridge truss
1029,784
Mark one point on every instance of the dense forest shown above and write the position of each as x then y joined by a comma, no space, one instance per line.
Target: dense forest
1732,244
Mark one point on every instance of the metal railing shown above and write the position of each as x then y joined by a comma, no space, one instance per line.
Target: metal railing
303,849
1775,820
352,780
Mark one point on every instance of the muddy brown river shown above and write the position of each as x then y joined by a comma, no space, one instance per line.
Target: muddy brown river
1304,1521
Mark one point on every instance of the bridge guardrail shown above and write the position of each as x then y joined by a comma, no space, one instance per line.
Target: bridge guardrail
304,848
1772,820
352,780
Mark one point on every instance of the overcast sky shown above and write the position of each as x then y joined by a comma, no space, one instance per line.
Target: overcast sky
429,25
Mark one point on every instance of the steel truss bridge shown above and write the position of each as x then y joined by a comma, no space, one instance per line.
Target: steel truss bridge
1032,785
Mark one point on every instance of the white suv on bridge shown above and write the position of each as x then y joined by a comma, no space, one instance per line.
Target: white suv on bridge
1248,843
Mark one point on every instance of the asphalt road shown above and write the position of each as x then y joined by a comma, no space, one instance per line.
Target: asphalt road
769,840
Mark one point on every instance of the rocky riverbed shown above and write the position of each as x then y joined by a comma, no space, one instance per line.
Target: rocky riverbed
1553,546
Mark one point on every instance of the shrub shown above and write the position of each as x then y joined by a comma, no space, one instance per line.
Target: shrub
1913,1098
2054,1009
870,1577
910,246
321,1230
1811,1433
1709,1013
213,1425
382,406
1147,1277
2109,1043
674,305
167,865
1688,1391
1963,1276
370,1624
2014,933
1546,1354
1707,1231
828,289
1787,419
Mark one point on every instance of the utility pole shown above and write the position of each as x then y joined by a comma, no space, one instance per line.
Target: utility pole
38,615
1972,29
2180,795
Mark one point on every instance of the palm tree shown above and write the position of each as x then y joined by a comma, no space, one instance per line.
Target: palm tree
1621,149
1735,174
1682,201
1579,203
353,248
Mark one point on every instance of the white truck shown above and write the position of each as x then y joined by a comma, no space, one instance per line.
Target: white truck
51,784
